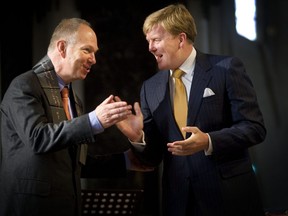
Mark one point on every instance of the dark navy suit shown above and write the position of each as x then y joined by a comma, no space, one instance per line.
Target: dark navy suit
221,184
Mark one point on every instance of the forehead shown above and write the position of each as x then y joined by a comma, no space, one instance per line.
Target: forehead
85,32
87,37
157,31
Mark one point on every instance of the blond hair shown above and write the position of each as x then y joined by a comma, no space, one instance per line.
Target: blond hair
175,19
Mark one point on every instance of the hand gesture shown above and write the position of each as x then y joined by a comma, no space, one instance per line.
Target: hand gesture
132,126
110,112
198,141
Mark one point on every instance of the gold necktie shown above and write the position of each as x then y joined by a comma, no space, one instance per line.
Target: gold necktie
65,99
180,100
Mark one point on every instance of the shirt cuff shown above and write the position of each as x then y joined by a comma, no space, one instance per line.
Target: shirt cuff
139,145
95,123
210,147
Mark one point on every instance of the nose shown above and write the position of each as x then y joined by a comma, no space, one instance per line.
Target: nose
92,58
151,47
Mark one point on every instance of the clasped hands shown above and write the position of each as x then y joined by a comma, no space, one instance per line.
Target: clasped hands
109,112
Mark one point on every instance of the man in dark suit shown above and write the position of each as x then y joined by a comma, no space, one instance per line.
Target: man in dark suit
208,171
42,151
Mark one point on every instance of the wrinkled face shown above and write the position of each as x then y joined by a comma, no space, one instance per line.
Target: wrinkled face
165,47
80,55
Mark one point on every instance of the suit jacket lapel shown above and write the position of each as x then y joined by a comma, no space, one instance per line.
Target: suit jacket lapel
162,87
78,111
75,103
201,78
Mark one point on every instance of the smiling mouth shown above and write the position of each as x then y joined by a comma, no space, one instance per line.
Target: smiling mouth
158,57
87,68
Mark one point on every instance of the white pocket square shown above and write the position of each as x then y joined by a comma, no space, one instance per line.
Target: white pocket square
208,92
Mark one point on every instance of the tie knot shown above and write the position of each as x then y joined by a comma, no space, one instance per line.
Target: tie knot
177,73
65,92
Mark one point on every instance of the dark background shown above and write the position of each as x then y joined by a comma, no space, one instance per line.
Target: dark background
124,62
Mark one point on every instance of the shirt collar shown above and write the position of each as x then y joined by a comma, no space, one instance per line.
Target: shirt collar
189,64
61,83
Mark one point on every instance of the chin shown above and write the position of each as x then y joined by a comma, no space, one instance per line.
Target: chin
83,76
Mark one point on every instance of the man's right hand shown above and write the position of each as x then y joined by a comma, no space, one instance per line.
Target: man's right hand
110,112
132,126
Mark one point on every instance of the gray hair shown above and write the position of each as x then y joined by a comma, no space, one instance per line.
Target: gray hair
66,30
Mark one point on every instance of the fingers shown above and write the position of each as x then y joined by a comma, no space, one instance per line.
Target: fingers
137,109
190,129
113,110
110,111
108,100
198,141
115,105
115,113
116,98
119,110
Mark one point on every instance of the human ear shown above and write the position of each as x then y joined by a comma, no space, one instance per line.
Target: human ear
61,47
